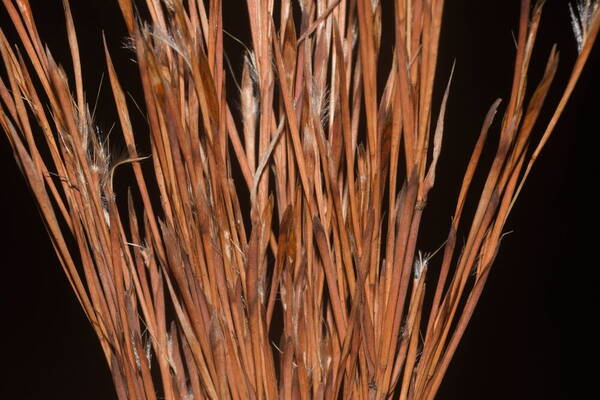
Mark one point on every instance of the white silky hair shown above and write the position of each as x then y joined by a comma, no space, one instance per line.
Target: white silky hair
421,262
581,19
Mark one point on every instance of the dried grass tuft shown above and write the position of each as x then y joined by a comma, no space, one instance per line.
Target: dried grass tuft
317,287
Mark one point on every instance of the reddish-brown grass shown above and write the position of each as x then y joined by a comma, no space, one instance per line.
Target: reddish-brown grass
316,288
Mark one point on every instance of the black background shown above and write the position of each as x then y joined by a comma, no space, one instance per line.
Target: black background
513,346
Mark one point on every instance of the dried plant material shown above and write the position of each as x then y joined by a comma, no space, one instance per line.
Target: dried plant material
314,287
